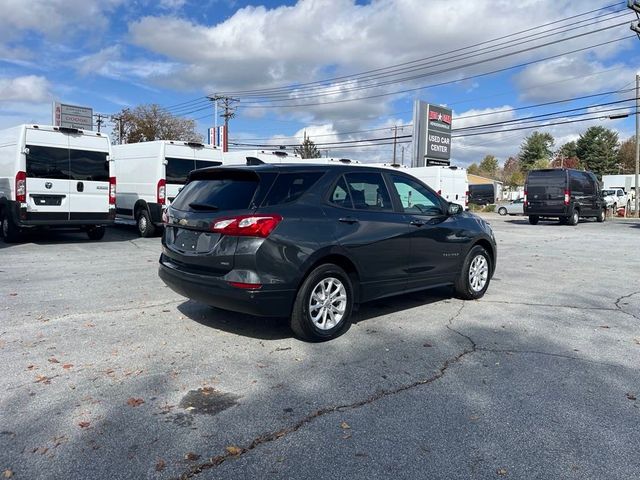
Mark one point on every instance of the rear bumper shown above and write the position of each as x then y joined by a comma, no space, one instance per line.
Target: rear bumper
215,291
563,211
24,218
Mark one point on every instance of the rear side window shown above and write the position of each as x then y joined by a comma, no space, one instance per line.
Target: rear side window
48,162
340,195
206,164
224,192
288,187
368,191
88,166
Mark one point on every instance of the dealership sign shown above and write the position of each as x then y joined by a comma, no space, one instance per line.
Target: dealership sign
72,116
431,135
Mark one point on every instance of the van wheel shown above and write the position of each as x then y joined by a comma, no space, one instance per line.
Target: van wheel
603,215
534,219
145,226
96,232
473,281
502,211
9,230
574,218
323,305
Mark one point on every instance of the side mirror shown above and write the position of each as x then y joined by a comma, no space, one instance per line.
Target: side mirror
454,209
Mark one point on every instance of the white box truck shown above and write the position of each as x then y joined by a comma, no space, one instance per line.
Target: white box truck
150,175
450,182
55,177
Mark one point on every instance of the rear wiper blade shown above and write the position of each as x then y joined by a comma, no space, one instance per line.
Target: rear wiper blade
203,206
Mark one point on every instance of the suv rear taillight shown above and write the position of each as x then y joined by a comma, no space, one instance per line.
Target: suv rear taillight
567,197
21,187
112,190
161,194
246,225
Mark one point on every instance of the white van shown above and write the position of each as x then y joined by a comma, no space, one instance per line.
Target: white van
256,157
55,177
450,182
150,175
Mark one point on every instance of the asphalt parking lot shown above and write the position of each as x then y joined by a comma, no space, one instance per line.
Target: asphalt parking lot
107,374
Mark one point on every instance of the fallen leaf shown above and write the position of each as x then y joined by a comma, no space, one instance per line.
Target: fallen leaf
13,294
501,471
192,457
31,367
637,340
345,426
135,402
84,424
282,349
160,464
8,473
427,345
631,396
67,366
53,360
233,450
604,326
43,379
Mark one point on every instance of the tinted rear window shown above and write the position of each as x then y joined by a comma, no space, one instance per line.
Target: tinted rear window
543,178
178,169
48,162
481,189
288,187
230,192
89,166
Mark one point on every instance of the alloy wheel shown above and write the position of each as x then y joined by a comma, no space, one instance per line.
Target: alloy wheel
327,303
478,273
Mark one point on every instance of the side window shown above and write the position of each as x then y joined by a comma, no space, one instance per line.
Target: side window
178,169
415,198
575,183
368,191
288,187
340,195
588,187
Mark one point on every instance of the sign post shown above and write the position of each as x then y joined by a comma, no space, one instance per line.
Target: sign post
431,135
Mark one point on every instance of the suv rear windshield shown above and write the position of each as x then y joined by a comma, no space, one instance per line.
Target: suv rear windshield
290,186
221,191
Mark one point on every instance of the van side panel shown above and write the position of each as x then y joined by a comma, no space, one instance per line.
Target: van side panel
11,160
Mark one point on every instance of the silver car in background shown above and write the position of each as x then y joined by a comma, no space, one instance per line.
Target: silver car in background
516,207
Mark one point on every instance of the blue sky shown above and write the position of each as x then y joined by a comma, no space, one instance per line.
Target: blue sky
111,54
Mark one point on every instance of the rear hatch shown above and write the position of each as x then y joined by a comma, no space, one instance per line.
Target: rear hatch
211,196
545,191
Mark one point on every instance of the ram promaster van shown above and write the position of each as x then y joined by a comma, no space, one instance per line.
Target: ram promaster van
449,181
562,193
150,175
55,177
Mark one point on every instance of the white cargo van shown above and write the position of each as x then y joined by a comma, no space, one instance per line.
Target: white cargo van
55,177
256,157
450,182
150,175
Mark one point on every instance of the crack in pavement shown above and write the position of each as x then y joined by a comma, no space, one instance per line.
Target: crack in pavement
618,307
548,354
576,307
218,460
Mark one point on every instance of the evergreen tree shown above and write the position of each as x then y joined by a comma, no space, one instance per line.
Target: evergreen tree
489,166
308,149
536,147
597,149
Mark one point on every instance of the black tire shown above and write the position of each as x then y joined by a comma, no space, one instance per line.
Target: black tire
502,211
574,218
463,286
9,231
602,217
301,322
534,219
146,228
96,232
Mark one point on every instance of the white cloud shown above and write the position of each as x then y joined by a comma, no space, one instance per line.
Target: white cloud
109,63
30,88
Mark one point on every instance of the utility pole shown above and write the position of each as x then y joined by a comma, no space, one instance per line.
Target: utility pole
395,138
229,112
637,183
99,120
402,157
119,123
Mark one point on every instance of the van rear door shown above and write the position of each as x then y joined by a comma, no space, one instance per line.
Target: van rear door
47,168
545,191
89,177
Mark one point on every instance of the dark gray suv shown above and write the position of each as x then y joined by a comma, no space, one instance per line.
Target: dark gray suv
308,242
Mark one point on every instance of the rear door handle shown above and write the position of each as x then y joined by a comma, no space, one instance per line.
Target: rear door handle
348,220
80,187
418,223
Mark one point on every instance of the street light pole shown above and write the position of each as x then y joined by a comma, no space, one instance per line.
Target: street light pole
637,183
